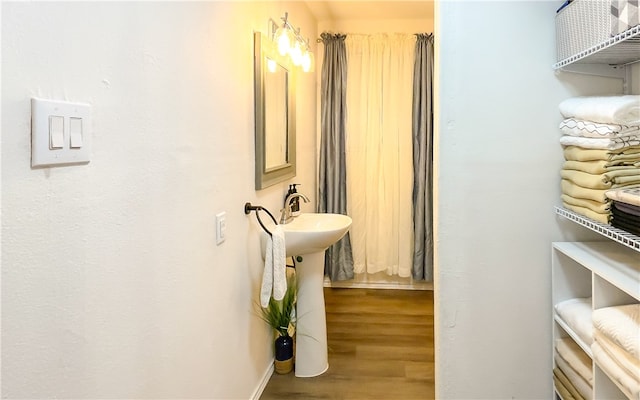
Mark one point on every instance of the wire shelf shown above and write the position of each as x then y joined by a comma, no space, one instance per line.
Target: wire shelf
622,49
618,235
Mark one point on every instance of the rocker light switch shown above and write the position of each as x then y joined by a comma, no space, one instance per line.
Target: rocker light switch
56,132
75,132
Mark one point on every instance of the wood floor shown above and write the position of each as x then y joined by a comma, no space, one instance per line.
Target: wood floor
380,347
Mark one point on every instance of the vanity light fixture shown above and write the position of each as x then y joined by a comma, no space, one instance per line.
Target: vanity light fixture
289,42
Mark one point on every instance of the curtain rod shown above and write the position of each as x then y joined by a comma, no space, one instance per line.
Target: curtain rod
319,40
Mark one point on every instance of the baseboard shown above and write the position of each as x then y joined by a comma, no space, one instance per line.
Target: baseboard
375,285
263,382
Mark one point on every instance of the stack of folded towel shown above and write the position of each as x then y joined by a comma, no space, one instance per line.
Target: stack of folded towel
576,313
601,141
625,209
616,348
573,375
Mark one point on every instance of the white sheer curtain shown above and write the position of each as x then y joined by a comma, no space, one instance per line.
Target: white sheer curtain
379,151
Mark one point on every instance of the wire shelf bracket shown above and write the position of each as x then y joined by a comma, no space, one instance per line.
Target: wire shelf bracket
611,58
621,49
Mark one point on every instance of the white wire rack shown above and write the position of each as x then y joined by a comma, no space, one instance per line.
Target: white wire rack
608,231
622,49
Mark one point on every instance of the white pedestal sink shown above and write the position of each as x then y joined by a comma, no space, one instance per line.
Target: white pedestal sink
306,239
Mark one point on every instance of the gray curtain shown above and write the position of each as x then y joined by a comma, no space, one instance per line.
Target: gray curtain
332,185
423,158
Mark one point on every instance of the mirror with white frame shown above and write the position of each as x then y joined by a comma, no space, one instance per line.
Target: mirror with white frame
275,133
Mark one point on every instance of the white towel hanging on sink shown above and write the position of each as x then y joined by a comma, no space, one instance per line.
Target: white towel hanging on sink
274,276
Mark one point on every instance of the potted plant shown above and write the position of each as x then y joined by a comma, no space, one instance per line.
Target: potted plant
280,315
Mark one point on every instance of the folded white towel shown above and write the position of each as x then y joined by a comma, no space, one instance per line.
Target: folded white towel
629,385
274,276
577,359
577,381
621,110
613,143
624,360
577,314
621,325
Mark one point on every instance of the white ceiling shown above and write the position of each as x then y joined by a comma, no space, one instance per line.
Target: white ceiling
326,10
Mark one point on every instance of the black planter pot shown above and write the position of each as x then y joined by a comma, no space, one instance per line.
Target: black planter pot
284,354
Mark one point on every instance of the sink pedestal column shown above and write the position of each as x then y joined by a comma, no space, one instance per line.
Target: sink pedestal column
311,330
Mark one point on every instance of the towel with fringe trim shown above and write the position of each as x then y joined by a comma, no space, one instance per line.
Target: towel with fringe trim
274,276
614,143
584,128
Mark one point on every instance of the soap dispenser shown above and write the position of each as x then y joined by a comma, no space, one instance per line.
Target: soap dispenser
286,196
295,203
288,192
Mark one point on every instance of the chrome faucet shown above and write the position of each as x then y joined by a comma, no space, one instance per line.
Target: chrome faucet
286,216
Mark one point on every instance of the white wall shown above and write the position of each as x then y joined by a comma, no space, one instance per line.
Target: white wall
364,26
112,285
497,181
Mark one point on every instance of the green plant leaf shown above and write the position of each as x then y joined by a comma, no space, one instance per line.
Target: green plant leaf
280,314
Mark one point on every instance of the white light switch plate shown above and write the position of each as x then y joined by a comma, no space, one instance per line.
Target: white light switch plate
43,153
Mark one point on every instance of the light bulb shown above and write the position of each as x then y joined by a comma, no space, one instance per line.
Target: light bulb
306,61
283,38
271,65
296,54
